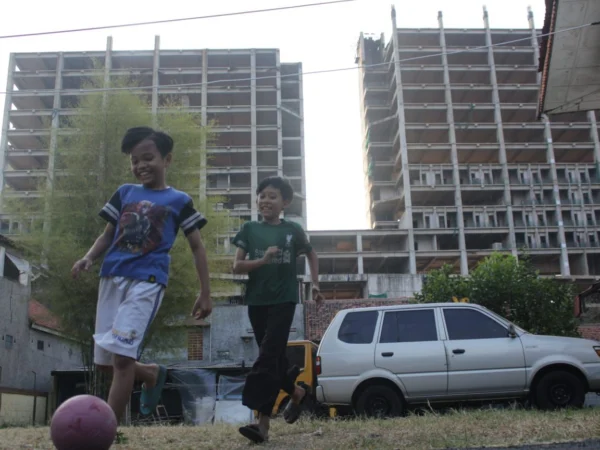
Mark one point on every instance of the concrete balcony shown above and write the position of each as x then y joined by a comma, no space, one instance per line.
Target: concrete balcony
426,153
29,138
228,190
23,159
212,170
9,193
24,180
379,150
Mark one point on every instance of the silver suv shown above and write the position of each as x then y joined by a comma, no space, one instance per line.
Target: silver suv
379,360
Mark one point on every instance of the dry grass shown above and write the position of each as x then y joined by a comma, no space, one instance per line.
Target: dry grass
430,431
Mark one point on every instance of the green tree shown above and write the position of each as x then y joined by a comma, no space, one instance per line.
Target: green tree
442,285
89,167
512,288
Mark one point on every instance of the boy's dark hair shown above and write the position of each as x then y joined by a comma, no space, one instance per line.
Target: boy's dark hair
279,183
135,135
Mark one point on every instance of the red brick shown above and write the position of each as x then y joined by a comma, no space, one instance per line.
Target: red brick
317,320
195,344
590,331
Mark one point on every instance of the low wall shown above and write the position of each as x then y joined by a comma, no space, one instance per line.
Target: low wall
16,407
590,331
317,320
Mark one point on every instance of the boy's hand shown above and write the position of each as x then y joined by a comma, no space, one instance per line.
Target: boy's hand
83,264
271,253
317,296
202,307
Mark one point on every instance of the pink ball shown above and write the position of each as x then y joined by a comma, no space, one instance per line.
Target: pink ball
83,422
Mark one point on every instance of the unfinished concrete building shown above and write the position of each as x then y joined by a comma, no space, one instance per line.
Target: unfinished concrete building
457,161
254,100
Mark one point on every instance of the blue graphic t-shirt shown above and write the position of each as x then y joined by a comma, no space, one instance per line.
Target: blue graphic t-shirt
146,223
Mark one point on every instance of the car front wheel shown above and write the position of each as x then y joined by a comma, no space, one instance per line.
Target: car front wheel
560,389
379,401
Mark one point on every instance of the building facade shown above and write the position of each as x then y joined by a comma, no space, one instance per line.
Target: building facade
251,99
456,157
31,345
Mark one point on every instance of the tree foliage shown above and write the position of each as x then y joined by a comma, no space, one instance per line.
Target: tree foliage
511,288
89,167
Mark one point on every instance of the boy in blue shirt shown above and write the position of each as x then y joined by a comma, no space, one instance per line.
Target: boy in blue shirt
143,221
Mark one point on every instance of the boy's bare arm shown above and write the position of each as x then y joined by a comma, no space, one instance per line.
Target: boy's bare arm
242,265
96,250
313,265
200,259
203,305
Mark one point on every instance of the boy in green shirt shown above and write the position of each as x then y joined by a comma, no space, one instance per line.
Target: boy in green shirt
272,246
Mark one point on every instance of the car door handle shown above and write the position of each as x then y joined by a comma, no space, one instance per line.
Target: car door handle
387,354
458,351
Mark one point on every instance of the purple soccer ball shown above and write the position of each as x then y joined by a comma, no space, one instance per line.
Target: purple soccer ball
83,422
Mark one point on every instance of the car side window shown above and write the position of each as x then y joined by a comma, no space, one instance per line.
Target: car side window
409,326
465,323
358,327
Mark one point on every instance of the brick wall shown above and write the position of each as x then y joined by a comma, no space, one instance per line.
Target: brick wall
590,331
195,344
317,320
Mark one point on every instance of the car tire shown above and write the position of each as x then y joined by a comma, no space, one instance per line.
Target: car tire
559,389
379,401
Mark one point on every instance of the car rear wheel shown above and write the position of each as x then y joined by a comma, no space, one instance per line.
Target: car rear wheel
379,401
560,389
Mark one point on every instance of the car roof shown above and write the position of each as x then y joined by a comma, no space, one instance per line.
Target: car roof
414,306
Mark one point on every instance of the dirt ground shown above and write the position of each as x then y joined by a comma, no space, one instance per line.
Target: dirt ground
459,429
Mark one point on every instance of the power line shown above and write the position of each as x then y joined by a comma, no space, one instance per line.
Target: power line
182,19
313,72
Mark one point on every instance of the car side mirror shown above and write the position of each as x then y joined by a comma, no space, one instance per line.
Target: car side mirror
511,331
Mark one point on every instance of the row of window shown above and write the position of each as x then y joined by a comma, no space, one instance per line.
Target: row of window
9,341
418,326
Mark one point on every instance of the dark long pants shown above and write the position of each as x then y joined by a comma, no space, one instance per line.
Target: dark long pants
271,325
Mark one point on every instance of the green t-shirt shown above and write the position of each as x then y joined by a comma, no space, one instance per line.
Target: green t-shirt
276,282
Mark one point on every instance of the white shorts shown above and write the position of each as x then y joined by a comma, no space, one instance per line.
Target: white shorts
125,310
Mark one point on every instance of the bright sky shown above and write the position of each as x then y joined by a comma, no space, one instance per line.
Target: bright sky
322,37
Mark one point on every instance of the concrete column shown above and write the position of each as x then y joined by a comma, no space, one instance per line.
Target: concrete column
54,127
155,80
462,246
591,115
2,257
106,85
564,255
302,153
254,152
363,125
107,66
279,118
6,120
204,123
412,257
359,250
565,268
534,42
512,241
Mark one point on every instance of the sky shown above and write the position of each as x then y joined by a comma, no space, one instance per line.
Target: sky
321,37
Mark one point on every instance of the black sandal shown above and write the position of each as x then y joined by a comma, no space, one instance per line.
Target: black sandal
253,433
293,411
